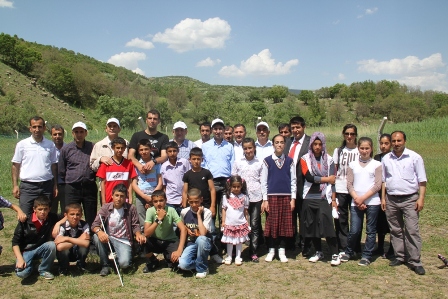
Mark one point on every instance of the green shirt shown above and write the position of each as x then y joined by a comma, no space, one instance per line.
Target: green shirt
165,230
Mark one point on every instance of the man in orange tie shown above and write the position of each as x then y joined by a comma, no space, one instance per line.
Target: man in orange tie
295,148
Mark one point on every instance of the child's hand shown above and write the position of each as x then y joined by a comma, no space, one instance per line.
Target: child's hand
141,239
200,209
60,239
161,213
293,204
176,255
20,264
213,210
264,207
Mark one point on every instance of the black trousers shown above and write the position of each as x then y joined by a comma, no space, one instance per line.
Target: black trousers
30,190
86,194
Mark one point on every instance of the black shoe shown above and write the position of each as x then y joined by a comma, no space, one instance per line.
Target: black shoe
306,252
151,265
105,271
419,270
81,267
64,272
395,263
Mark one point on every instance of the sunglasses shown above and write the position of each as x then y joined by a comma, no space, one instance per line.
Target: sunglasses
350,134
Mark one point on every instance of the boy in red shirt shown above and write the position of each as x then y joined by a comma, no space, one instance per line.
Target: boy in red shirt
121,171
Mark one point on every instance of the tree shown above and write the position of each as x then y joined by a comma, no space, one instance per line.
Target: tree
60,81
125,109
277,93
306,96
334,90
165,112
178,99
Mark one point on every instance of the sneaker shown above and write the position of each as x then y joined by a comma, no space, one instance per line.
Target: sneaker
46,275
238,261
216,259
255,259
228,260
318,256
202,274
270,256
364,262
335,260
282,256
104,271
344,257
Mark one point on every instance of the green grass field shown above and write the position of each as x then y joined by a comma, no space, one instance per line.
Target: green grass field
275,280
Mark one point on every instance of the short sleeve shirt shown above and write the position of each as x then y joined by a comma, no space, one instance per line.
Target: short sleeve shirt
159,142
165,230
199,180
147,182
115,174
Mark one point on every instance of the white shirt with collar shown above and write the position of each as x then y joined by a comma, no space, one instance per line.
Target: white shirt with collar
264,150
239,152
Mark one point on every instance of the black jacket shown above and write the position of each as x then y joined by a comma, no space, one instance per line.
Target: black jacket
27,237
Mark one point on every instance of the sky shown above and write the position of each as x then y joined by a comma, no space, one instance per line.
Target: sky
299,44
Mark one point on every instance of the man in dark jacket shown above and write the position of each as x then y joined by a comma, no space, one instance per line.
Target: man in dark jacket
32,240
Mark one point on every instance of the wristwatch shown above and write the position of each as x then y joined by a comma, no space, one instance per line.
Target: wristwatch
154,160
159,221
97,230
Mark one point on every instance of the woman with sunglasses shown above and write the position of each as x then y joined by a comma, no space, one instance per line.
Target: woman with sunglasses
342,156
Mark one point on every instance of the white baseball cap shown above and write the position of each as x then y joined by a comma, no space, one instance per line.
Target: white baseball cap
179,124
263,123
79,124
113,120
217,121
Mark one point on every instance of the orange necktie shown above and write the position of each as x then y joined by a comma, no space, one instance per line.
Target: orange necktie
293,149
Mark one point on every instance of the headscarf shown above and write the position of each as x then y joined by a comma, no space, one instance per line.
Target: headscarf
323,170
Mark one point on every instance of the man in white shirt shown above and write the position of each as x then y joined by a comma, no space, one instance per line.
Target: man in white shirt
35,164
205,129
239,133
263,144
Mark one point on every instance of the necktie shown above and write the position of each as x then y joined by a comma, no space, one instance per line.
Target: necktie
293,149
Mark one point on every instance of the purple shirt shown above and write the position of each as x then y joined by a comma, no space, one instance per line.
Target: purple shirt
172,178
403,174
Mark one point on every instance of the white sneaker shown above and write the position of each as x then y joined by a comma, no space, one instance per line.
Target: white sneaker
318,256
282,255
270,256
238,261
228,260
216,259
335,260
202,274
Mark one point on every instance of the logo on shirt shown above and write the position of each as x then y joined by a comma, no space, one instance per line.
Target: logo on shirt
203,178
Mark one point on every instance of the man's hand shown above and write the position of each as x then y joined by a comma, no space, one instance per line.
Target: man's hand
106,160
16,192
383,204
419,204
148,166
161,213
176,255
55,190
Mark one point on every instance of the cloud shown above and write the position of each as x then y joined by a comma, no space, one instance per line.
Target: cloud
139,43
341,76
371,11
139,71
260,64
128,60
411,71
192,34
407,65
208,62
6,3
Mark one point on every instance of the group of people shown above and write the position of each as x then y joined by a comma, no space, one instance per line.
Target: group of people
194,198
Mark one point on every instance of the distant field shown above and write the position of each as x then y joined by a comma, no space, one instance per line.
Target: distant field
298,278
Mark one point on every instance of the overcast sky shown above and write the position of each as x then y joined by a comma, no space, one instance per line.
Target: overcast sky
300,44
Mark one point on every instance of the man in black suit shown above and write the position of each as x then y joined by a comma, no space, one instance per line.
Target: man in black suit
295,148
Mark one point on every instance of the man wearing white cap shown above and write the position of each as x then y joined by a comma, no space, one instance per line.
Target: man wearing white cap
180,131
74,170
102,151
263,144
35,164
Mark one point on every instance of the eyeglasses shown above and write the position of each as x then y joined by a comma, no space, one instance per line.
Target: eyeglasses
349,134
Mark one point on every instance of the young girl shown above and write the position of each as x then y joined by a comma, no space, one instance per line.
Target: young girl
249,168
342,156
319,198
235,225
382,227
364,179
278,186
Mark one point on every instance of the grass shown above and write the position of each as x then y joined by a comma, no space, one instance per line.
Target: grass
263,280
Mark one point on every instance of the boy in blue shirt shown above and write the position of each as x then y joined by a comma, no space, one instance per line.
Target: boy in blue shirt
198,221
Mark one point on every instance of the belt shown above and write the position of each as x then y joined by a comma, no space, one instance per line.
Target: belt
403,196
37,183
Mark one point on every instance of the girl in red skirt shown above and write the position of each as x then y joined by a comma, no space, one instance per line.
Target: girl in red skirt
235,218
278,187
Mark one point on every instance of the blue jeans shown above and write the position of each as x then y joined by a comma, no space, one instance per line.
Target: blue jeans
74,254
123,252
46,252
195,256
356,219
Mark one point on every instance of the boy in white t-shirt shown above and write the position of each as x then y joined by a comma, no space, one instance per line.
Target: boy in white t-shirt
121,221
